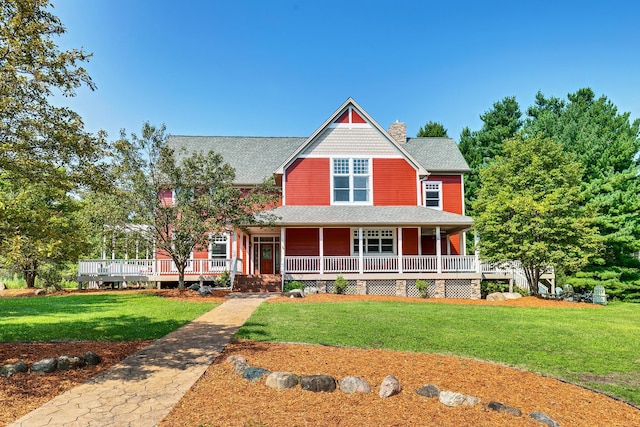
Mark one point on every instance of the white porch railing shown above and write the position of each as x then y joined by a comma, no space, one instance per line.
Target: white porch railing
351,264
153,267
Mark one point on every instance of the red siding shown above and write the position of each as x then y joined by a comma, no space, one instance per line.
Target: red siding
166,197
456,243
302,242
394,183
451,192
410,241
337,241
429,244
307,183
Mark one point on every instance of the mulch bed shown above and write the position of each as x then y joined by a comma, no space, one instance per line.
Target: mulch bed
221,398
24,392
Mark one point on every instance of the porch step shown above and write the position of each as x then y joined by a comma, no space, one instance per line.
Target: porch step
258,283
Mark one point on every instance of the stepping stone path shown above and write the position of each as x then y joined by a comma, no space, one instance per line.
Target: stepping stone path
390,386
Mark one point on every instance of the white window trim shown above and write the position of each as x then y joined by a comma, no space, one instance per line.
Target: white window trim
351,175
354,237
218,238
424,194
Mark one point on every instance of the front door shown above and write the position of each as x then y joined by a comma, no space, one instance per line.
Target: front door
266,258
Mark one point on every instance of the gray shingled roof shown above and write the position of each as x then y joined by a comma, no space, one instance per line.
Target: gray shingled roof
437,154
254,158
367,216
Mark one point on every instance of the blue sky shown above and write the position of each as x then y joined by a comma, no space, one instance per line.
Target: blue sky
280,68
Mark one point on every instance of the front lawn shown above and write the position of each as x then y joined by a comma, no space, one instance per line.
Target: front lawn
100,317
596,347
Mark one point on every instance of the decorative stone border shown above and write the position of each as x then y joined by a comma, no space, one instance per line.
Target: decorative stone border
390,386
51,364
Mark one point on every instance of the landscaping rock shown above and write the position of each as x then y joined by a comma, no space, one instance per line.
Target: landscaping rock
428,390
194,287
311,290
389,386
92,359
453,399
511,295
296,293
354,385
2,286
282,380
236,358
39,292
205,290
239,363
503,409
66,362
496,296
318,383
544,418
254,374
44,366
11,369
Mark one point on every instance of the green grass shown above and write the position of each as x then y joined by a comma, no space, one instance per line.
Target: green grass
105,317
564,343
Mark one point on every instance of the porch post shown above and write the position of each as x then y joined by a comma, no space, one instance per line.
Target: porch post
282,263
360,254
321,249
419,241
438,251
104,246
448,244
400,250
476,240
113,245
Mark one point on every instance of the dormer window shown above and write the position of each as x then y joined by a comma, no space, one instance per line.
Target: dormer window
351,179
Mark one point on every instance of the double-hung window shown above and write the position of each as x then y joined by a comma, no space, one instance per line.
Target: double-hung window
433,194
218,244
351,180
375,242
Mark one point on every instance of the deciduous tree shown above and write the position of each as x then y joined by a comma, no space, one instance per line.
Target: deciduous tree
529,208
432,130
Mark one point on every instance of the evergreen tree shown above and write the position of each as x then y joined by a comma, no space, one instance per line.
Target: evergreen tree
432,130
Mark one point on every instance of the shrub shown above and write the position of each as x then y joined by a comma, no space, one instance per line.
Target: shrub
289,286
50,277
423,288
340,285
222,281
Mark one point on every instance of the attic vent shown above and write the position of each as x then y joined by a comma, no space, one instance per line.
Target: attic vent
350,115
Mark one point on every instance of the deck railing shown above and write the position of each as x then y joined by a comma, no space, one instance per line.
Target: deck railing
153,267
370,264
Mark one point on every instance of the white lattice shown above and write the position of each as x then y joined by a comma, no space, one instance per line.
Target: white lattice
381,287
459,288
412,291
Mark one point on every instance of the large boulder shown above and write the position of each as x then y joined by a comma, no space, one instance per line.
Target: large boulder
238,362
496,296
428,390
66,362
282,380
318,383
354,385
311,290
205,290
44,366
503,409
2,286
389,386
11,369
544,418
92,359
511,295
296,293
453,399
254,374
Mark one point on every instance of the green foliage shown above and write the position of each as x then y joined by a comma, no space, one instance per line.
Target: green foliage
432,130
340,285
622,283
423,288
106,317
490,286
289,286
41,224
223,281
503,121
498,334
41,142
51,277
529,209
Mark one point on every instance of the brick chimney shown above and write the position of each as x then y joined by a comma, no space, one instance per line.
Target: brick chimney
398,131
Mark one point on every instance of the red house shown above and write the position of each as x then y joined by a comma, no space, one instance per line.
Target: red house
369,204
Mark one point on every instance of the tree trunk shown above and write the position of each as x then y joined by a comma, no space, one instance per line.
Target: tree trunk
29,272
181,277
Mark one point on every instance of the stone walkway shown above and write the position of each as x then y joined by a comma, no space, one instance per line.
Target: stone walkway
144,387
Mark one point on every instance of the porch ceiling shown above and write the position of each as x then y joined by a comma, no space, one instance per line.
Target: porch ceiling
360,216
